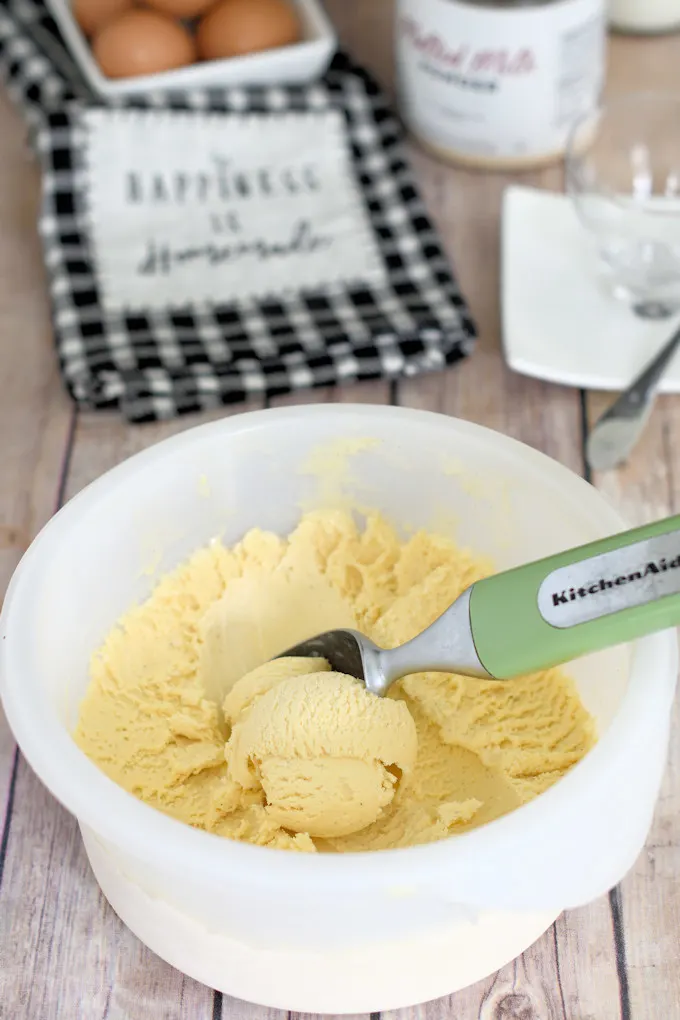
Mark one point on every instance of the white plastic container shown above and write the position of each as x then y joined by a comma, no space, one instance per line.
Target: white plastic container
496,84
644,17
330,933
287,65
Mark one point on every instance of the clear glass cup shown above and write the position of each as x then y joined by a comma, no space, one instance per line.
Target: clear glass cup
623,174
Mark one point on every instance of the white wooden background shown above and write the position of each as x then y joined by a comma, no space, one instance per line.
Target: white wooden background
64,955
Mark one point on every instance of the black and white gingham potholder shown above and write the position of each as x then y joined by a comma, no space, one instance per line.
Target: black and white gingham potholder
160,362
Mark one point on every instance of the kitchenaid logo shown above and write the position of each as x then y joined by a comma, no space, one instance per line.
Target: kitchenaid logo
464,57
610,582
568,595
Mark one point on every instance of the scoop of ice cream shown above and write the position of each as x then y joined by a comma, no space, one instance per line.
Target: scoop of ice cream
257,682
327,754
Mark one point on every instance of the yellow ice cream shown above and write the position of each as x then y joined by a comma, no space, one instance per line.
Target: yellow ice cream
326,753
185,711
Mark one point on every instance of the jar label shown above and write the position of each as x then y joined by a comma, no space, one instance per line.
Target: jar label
499,83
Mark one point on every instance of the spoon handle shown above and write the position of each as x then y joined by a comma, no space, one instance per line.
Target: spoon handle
579,601
614,435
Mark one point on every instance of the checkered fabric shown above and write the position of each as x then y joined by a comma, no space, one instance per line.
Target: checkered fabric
157,365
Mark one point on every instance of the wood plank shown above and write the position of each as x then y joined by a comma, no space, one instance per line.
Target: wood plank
639,64
103,440
582,980
365,30
370,392
547,417
646,488
69,954
237,1009
70,935
330,1016
572,971
526,989
35,413
78,950
100,443
482,389
227,1008
587,964
543,416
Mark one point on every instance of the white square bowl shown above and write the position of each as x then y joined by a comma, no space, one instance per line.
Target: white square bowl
287,65
559,324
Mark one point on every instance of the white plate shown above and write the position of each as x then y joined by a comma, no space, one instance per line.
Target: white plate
558,324
284,66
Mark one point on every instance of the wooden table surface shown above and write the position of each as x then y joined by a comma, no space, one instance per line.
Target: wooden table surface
63,952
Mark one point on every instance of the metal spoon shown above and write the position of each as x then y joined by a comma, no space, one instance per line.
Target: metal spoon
615,434
531,617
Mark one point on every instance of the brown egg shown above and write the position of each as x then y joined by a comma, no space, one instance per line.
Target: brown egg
91,15
142,42
235,27
180,8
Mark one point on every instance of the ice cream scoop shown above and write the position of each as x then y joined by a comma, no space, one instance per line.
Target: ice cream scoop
326,755
531,617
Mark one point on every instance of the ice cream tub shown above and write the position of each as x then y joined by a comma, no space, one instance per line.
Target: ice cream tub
337,933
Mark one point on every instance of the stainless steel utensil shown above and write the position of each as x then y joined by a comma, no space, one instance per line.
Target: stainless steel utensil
615,434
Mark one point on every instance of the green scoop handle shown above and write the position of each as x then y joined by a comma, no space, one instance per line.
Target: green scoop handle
564,606
533,617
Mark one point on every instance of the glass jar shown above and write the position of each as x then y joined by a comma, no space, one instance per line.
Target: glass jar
497,84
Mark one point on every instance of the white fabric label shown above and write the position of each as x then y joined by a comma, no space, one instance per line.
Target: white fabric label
188,209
